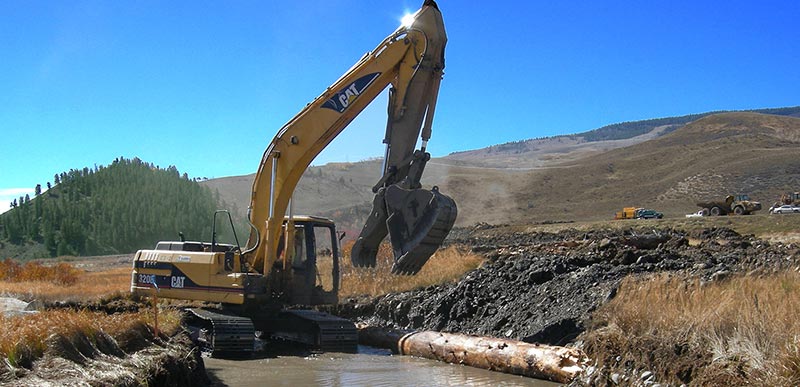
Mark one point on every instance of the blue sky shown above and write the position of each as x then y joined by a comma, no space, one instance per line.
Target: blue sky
204,85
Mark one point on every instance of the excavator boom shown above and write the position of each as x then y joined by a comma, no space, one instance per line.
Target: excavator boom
410,61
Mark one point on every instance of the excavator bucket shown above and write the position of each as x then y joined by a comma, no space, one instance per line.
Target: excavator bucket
417,221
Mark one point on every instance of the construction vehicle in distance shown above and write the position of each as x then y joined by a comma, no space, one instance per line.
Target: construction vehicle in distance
626,213
738,205
638,213
787,199
259,285
791,198
646,213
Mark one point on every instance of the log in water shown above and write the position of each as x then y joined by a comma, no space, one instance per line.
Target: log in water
558,364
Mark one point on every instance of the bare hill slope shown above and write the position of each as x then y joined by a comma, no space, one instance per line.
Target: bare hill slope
541,152
709,158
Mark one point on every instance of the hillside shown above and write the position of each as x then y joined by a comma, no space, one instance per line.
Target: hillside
537,153
635,128
533,153
118,208
708,158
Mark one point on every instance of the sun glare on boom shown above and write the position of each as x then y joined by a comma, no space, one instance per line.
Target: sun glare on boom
407,20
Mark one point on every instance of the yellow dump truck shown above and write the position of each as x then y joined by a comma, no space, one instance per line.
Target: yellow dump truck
627,213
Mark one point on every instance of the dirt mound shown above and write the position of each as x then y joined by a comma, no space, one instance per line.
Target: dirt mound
542,287
715,233
116,303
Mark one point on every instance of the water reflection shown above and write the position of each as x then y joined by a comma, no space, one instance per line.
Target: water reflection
368,367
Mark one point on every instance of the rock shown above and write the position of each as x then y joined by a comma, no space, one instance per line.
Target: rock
13,307
720,275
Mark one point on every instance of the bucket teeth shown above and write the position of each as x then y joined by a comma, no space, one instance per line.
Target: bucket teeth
365,249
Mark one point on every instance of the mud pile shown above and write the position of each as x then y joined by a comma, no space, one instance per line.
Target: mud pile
542,287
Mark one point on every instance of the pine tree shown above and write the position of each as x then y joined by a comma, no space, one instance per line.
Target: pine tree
126,206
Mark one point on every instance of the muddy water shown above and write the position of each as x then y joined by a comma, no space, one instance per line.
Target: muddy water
369,367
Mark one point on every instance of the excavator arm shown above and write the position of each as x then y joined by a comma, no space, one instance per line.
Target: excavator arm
411,61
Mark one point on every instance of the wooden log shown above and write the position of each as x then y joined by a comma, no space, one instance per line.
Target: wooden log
558,364
381,337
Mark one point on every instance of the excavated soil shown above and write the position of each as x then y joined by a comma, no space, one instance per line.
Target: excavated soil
542,287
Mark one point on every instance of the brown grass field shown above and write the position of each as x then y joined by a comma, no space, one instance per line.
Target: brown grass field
25,338
743,331
61,282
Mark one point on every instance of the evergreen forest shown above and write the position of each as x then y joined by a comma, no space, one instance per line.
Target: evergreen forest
114,209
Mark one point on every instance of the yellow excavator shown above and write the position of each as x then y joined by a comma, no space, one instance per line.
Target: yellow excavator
291,260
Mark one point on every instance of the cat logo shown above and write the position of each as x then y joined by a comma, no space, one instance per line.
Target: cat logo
342,99
177,282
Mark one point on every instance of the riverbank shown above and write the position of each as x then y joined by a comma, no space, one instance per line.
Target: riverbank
545,287
60,347
68,326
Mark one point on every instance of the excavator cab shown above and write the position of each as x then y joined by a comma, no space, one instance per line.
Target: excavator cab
312,264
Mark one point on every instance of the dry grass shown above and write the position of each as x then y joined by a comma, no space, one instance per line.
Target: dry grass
26,338
65,283
61,273
445,265
741,331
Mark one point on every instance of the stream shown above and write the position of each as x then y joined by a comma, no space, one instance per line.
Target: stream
368,367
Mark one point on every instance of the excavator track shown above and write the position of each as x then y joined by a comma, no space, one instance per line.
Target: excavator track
222,334
317,330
